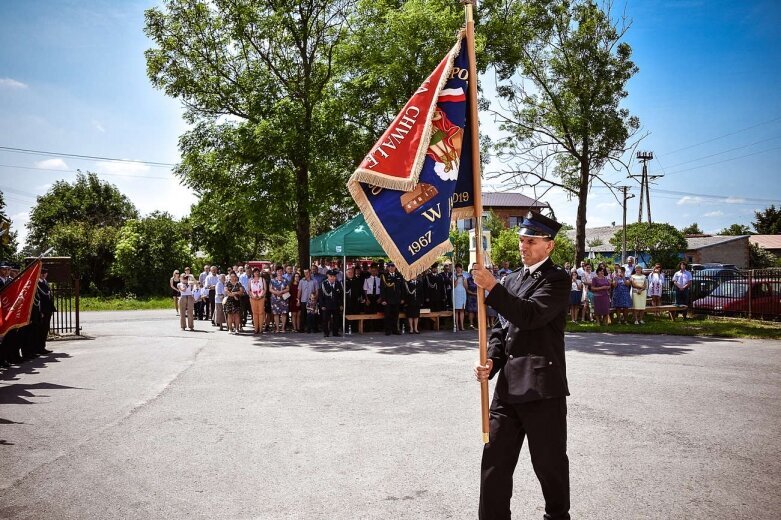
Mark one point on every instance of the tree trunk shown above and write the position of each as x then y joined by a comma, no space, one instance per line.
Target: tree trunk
302,214
580,222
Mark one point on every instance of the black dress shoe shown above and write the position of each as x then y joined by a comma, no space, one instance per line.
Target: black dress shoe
336,335
47,351
5,364
388,333
326,335
397,332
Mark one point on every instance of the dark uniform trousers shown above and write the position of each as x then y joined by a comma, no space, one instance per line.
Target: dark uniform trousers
210,304
391,317
543,423
331,321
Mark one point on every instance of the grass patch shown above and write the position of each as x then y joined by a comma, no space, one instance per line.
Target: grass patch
124,303
710,326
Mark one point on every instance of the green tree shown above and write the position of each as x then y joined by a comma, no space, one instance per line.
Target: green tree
82,220
736,229
494,224
258,81
768,222
693,229
87,200
564,250
761,258
91,249
562,70
8,238
504,247
662,241
392,47
460,241
148,250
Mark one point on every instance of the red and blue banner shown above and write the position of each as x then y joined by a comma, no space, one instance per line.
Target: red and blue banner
418,176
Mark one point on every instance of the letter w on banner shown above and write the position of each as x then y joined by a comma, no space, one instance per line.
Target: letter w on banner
406,185
17,299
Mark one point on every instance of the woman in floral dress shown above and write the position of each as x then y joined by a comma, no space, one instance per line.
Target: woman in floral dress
280,293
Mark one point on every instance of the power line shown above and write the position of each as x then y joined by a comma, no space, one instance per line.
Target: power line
130,175
725,135
79,156
724,151
725,160
703,195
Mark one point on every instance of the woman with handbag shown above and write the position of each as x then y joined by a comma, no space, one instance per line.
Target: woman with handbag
231,303
257,300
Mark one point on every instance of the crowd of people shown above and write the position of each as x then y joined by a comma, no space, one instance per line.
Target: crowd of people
620,293
28,342
287,298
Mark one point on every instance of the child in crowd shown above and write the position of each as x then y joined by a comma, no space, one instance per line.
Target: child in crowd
312,314
198,299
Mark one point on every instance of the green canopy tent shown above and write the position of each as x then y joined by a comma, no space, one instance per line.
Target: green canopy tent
353,238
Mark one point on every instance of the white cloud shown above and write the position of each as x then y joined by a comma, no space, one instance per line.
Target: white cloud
98,126
121,168
54,164
20,219
12,84
605,205
689,200
734,200
716,213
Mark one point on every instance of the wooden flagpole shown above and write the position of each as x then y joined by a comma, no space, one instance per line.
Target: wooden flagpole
482,332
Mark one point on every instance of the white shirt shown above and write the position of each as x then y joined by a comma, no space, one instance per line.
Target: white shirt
372,284
211,281
536,266
680,279
219,289
197,294
185,289
202,277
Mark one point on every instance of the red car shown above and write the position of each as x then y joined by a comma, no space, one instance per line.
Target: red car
734,297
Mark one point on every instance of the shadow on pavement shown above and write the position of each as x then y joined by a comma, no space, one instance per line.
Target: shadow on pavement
625,345
16,393
431,343
31,366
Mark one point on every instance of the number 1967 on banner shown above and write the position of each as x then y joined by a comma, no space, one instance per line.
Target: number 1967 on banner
415,247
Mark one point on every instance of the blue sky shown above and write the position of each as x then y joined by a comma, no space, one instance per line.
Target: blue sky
73,80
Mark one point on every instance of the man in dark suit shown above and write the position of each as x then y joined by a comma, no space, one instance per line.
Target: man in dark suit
526,348
330,298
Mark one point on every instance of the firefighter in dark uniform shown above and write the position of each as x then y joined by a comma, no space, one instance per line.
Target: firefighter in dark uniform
526,348
392,295
434,289
447,286
330,298
353,288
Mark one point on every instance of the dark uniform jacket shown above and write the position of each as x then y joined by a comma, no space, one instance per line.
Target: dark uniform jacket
354,288
392,288
527,345
332,298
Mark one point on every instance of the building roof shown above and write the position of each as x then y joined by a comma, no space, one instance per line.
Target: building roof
701,242
766,241
511,199
605,233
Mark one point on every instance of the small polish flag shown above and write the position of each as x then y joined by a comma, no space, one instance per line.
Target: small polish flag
449,95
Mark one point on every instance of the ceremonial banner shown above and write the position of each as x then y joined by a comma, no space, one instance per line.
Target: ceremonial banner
405,185
17,299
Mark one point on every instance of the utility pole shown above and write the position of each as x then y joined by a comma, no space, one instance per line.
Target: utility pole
625,191
645,184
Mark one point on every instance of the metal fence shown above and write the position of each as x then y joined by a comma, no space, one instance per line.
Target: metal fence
754,293
66,300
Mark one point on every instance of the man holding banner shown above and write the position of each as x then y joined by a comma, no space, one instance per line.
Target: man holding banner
527,350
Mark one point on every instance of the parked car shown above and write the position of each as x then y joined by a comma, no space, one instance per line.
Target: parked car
733,297
719,274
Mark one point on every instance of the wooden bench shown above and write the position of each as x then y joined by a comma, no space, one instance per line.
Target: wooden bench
434,316
671,310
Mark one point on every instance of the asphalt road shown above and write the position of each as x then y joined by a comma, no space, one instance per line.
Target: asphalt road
148,422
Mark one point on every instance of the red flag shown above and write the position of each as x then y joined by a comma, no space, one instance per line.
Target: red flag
395,161
17,299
